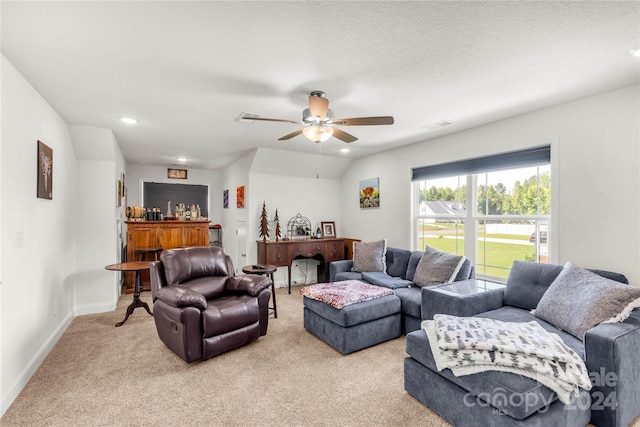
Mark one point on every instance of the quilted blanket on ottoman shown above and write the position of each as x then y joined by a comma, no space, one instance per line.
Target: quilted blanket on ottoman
346,292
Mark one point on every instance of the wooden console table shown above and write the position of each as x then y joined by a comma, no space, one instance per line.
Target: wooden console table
283,252
163,235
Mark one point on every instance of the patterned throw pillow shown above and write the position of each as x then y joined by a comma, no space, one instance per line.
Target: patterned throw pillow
579,299
437,267
369,256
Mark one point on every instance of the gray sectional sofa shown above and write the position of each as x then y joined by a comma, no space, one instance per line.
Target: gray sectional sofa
401,267
610,352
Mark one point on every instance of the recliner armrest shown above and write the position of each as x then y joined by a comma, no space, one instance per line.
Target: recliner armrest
611,352
341,266
157,277
251,284
180,296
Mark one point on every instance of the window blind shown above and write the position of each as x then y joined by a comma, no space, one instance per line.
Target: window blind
514,159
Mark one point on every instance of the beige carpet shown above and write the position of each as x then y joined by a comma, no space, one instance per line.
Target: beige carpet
99,375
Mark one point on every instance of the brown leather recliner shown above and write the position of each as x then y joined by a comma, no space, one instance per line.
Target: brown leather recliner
201,308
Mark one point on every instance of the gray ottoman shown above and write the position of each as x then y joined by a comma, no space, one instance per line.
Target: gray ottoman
355,326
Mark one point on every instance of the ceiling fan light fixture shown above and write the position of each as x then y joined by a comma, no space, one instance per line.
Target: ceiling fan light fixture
318,133
308,117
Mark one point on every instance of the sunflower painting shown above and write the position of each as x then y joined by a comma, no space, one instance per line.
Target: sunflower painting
370,193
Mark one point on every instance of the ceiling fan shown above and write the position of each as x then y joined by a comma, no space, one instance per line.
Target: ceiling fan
319,124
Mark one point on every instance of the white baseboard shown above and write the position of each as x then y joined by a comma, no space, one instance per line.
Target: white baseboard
103,307
23,378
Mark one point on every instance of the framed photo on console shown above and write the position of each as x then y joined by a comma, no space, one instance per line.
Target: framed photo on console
328,229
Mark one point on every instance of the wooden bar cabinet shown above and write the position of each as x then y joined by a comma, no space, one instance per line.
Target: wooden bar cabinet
164,235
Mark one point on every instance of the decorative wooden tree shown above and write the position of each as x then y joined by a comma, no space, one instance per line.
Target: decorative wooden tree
277,220
264,224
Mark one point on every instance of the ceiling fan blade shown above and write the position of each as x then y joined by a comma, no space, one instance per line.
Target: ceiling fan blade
318,105
291,135
265,119
364,121
343,136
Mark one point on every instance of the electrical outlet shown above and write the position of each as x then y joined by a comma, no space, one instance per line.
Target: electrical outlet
54,308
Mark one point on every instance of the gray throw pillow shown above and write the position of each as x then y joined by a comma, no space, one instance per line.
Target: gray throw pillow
437,267
579,299
369,256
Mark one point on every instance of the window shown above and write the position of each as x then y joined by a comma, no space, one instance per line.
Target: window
503,202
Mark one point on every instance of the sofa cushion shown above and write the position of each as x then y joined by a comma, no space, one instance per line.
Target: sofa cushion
437,267
369,256
515,395
383,279
411,301
527,282
465,270
414,260
513,314
579,299
397,261
347,275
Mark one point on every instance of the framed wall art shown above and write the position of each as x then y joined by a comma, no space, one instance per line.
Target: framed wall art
119,193
45,171
225,199
328,229
177,173
370,193
240,197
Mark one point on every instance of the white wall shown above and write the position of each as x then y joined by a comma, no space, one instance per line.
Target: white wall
316,199
38,278
97,289
597,157
234,219
291,190
100,164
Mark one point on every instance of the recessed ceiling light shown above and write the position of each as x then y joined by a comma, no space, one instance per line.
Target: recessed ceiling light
344,150
635,52
182,159
129,120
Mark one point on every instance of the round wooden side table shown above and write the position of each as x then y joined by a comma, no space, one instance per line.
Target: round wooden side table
137,267
268,270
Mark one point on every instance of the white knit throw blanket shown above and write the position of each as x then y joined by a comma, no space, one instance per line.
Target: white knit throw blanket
468,345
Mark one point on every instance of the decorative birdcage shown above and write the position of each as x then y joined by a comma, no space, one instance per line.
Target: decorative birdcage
298,228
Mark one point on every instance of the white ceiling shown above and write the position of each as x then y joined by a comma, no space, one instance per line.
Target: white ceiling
186,70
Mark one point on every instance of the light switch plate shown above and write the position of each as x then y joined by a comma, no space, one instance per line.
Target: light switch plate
18,239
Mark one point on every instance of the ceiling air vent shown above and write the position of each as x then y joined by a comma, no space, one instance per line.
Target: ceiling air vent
438,125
